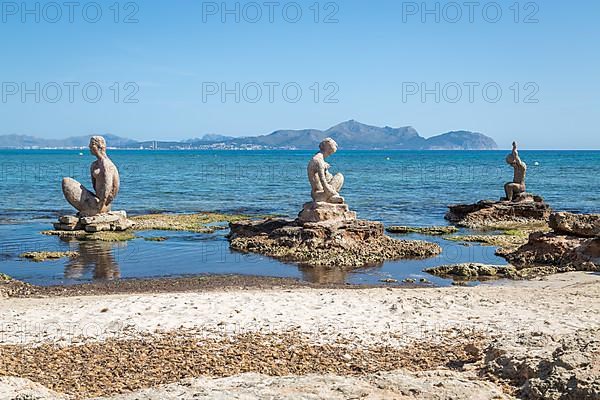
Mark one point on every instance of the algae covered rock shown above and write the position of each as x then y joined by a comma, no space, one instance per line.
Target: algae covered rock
346,245
205,222
429,230
38,256
473,271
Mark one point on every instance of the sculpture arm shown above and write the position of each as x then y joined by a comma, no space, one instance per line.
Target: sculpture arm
92,176
105,191
515,153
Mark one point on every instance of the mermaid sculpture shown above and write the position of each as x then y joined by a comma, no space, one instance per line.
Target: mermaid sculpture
105,180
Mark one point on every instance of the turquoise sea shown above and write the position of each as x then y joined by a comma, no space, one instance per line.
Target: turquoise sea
394,187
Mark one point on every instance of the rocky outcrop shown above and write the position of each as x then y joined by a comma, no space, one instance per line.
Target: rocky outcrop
548,368
346,244
575,251
580,225
528,210
567,253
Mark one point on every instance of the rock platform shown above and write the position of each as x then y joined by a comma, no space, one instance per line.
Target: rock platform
526,210
111,221
333,244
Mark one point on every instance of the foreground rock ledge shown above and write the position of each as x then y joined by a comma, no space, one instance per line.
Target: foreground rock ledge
549,367
528,210
344,244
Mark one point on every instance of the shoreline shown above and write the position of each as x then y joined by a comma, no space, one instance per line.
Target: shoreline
188,284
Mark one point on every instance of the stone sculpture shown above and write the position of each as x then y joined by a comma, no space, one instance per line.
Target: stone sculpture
327,204
517,209
326,233
105,180
517,186
325,187
94,209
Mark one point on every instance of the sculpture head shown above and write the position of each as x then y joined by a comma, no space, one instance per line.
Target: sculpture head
328,146
97,145
510,159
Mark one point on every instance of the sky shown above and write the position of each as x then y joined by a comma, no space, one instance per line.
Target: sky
525,71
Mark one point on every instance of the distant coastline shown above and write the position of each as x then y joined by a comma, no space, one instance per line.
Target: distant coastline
350,135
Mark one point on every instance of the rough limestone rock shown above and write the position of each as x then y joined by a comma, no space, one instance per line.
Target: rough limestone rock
347,245
580,225
577,251
549,368
429,385
111,221
25,389
527,210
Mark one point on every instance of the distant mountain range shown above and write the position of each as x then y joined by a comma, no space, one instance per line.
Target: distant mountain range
350,135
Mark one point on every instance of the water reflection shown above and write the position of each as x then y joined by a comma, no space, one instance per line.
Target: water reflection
96,259
323,275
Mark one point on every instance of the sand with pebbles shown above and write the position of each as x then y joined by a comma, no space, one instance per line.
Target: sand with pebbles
362,320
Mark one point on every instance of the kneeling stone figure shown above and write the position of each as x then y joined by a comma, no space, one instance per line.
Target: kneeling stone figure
327,204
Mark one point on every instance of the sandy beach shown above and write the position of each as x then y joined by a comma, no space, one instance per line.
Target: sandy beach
411,338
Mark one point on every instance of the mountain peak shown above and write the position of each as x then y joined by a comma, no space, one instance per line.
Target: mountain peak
350,125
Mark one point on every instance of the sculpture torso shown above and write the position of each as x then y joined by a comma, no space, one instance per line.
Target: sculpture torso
324,186
105,180
520,171
315,166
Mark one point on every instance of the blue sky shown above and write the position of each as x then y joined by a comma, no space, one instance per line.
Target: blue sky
371,65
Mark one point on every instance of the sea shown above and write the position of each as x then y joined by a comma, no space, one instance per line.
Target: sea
394,187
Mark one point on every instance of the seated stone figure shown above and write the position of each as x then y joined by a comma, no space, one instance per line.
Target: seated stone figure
105,180
325,187
327,205
517,186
